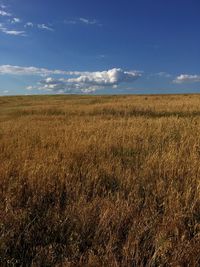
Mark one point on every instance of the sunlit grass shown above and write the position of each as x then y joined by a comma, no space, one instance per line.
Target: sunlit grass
100,180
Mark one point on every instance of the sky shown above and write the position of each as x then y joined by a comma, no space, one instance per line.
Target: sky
99,47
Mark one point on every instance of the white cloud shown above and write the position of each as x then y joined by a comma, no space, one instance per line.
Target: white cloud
7,23
5,14
88,21
44,27
186,78
88,82
29,24
163,74
17,70
84,82
14,32
83,21
102,56
11,32
2,6
70,22
15,20
63,86
5,92
30,88
106,78
52,84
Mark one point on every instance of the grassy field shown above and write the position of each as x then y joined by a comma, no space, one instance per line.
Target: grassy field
100,181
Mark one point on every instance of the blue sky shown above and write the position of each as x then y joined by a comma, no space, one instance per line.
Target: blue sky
99,47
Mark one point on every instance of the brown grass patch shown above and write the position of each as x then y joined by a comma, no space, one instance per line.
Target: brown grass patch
100,181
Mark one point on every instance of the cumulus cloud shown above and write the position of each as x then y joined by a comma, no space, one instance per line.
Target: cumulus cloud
88,82
45,27
51,84
64,86
186,78
73,81
106,78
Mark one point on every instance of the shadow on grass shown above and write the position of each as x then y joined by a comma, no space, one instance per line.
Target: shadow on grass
148,113
145,113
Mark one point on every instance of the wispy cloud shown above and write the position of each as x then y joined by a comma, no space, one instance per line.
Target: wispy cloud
7,25
44,27
82,20
5,14
88,21
2,6
14,32
101,56
18,70
15,20
11,31
28,24
186,78
9,20
73,22
163,74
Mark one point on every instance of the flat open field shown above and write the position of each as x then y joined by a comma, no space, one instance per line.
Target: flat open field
100,181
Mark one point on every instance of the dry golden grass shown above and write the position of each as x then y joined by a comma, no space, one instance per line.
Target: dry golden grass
100,181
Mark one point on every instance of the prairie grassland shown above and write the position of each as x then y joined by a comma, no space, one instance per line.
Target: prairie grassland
100,181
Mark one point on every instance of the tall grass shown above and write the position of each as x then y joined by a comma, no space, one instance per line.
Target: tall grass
100,181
